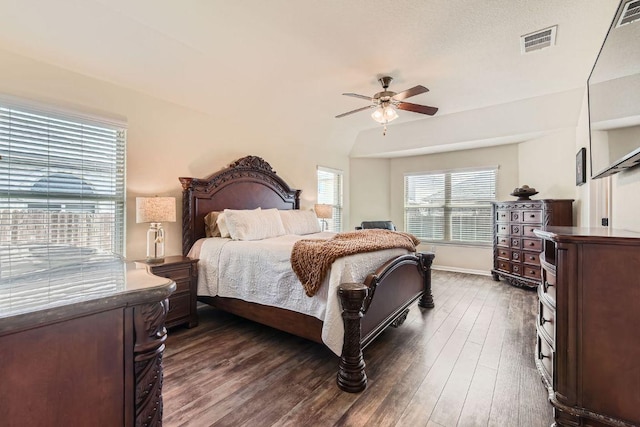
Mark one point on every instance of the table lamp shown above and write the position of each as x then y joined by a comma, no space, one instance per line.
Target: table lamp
323,212
155,211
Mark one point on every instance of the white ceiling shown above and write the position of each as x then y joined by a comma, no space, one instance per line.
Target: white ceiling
283,64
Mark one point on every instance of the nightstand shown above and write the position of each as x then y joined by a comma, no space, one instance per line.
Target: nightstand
182,303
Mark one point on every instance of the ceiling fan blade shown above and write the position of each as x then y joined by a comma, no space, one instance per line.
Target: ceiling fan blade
416,90
354,111
422,109
355,95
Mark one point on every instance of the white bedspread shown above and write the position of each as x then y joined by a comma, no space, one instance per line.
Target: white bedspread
260,272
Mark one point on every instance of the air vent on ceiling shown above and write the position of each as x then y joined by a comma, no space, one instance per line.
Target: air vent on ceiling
538,40
630,13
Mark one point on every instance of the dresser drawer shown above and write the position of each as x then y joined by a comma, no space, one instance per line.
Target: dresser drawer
532,216
516,256
530,271
504,266
544,354
502,229
502,216
503,253
503,241
515,242
516,216
546,320
548,286
527,230
531,258
532,245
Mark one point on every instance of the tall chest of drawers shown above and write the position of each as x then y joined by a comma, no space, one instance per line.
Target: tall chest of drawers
516,248
588,340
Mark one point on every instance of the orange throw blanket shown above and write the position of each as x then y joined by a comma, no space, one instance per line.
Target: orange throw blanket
311,259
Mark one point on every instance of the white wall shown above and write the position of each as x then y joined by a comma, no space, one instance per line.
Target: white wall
372,198
548,164
370,191
166,141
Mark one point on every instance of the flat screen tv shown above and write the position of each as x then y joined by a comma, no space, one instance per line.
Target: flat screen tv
614,95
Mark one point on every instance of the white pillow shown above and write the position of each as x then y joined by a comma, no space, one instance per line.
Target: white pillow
222,225
299,222
253,225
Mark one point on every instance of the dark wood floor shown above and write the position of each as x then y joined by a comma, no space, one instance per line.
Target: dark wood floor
467,362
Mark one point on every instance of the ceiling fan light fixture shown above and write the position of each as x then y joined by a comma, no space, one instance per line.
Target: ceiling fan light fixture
384,115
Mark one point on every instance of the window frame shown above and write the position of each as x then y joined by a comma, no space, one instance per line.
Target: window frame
336,200
80,201
448,205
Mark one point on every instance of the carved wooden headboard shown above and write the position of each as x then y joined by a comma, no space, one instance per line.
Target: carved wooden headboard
247,183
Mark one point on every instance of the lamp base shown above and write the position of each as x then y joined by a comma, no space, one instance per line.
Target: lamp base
155,243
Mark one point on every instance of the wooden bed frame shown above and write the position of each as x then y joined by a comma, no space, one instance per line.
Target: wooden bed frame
249,183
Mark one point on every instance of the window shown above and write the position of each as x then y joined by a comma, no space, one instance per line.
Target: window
61,184
450,206
330,193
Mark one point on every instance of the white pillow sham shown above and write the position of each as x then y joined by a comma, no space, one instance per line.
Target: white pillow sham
299,222
255,224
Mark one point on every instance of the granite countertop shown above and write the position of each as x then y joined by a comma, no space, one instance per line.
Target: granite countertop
50,286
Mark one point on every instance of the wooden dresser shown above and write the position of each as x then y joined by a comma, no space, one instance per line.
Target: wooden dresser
588,325
515,247
82,345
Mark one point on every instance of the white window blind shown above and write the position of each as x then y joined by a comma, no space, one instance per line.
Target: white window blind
62,189
450,206
330,193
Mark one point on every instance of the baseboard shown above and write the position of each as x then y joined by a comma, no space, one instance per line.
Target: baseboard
461,270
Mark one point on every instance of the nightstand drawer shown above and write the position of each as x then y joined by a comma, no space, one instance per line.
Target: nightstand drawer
175,273
182,285
179,306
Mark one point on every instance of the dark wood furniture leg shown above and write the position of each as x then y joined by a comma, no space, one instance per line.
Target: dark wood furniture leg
426,259
351,374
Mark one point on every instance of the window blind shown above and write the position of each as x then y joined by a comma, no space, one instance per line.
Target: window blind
62,186
452,206
330,193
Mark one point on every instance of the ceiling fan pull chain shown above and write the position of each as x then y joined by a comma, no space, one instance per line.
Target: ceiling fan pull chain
384,131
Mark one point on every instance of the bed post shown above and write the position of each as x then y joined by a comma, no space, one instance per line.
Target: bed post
426,259
351,375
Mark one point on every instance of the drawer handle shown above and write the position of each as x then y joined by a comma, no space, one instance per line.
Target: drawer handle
532,244
548,285
532,216
543,321
542,356
532,272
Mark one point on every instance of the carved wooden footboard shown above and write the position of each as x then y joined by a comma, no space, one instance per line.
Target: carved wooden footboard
368,308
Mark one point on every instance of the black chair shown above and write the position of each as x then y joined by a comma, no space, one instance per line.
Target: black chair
386,225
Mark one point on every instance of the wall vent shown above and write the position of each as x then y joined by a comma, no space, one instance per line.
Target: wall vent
630,13
539,39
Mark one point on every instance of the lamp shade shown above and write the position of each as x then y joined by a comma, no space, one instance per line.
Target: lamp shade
323,211
155,209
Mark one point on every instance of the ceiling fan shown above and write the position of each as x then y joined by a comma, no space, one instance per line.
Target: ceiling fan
386,102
